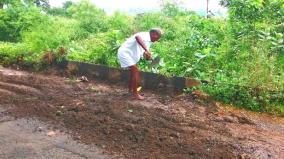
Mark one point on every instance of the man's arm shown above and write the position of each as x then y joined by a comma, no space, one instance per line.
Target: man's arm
147,54
141,43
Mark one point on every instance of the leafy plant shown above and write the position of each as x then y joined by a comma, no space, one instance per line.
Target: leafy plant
241,55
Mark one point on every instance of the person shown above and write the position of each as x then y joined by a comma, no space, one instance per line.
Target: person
131,51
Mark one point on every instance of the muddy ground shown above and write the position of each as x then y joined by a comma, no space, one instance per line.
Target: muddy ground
33,139
162,126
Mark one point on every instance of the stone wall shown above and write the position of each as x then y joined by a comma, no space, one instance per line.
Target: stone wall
150,81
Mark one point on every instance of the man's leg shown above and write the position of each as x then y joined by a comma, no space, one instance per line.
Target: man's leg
130,87
135,76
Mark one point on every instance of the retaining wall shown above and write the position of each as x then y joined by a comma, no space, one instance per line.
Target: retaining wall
150,81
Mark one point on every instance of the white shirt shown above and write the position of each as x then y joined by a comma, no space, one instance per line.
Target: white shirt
130,51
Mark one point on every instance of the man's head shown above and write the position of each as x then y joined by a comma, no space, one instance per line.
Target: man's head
155,34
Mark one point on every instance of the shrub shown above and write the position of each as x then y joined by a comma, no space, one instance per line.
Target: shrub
11,53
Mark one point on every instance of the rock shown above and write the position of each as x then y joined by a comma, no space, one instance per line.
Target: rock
230,119
161,85
200,95
243,120
59,113
242,156
84,79
51,133
218,119
39,129
191,82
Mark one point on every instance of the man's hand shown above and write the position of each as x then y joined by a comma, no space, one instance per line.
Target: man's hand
147,55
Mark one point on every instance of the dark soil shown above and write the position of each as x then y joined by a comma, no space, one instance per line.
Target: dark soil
162,126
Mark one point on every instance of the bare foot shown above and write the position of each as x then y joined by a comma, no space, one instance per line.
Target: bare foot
131,92
138,97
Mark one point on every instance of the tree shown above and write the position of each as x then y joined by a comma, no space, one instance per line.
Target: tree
61,11
67,4
42,3
17,18
173,7
6,2
39,3
91,18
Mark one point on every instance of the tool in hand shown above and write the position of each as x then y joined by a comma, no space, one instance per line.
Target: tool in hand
155,61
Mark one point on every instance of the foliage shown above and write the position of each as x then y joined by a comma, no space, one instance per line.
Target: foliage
14,20
249,72
99,48
91,18
50,35
11,53
122,22
58,11
240,55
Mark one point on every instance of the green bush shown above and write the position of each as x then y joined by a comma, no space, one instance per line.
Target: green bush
11,53
240,55
99,48
91,19
122,22
16,19
49,36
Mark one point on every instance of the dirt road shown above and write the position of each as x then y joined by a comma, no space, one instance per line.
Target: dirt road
32,139
104,117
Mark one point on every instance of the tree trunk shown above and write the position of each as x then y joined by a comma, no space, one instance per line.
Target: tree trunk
1,5
207,9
